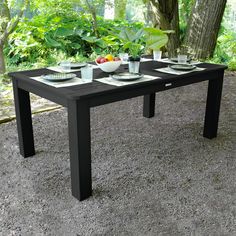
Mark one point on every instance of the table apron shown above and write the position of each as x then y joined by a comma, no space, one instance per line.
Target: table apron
44,93
152,88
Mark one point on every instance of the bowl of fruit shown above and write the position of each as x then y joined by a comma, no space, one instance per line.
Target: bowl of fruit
108,63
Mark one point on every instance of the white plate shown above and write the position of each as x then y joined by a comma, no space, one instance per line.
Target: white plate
58,77
74,65
77,65
126,76
183,67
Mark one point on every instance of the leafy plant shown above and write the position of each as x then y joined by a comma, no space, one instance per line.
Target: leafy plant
156,38
45,36
225,51
132,41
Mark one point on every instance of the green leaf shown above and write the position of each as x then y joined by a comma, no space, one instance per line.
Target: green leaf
75,45
156,38
125,35
79,32
63,32
157,41
138,35
90,39
101,43
127,45
169,31
51,42
153,31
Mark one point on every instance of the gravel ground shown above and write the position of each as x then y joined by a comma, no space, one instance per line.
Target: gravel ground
155,176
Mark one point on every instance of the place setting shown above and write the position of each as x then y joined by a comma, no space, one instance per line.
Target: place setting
59,77
69,67
111,64
181,65
177,60
66,78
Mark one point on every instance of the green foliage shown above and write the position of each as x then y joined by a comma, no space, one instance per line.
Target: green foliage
62,30
185,7
45,36
156,38
225,51
51,7
132,40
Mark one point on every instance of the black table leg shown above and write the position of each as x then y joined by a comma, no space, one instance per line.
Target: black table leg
213,107
149,105
24,121
80,149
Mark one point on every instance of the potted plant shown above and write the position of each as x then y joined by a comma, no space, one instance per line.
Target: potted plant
132,43
155,40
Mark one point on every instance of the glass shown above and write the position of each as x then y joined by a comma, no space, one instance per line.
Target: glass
124,57
182,59
134,66
157,55
66,66
87,73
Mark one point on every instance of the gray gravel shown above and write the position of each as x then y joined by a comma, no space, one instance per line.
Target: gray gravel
154,176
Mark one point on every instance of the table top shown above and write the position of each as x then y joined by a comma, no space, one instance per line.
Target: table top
89,90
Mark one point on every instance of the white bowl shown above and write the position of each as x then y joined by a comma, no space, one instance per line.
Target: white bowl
109,66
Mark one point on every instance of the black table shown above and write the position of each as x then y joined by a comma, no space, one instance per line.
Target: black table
78,99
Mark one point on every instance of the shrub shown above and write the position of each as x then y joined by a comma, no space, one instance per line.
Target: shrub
45,36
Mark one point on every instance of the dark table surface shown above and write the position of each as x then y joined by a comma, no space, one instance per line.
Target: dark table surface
96,88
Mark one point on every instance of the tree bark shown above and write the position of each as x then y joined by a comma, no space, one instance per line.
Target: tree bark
203,27
166,16
120,9
4,14
2,61
8,25
93,13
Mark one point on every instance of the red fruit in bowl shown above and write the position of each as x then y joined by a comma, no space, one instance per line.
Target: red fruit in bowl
102,60
116,59
98,60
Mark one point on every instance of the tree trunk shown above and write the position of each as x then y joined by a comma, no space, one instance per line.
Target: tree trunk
2,61
101,8
203,27
149,15
120,9
8,25
166,16
92,11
